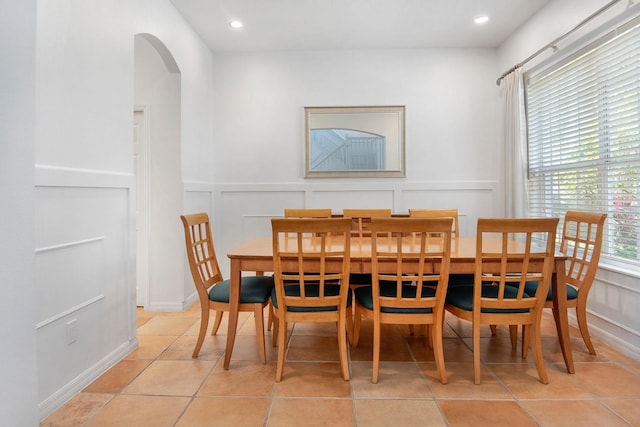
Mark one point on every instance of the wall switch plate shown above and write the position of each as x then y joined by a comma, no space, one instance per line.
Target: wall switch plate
71,331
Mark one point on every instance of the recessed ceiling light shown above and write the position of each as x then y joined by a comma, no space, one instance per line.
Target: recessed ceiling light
481,19
235,24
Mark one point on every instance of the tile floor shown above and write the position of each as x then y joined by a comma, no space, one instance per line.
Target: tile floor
159,384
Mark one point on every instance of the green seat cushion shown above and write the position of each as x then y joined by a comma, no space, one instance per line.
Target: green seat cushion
462,297
311,290
359,279
254,290
532,287
364,296
460,279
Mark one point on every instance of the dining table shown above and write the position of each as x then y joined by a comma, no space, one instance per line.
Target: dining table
256,255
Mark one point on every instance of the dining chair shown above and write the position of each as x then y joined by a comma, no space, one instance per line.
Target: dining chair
360,227
311,259
438,213
509,253
307,213
299,213
410,270
213,289
582,243
361,219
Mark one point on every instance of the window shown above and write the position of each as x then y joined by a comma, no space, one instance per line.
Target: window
584,140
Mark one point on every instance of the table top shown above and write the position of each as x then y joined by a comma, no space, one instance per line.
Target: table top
463,249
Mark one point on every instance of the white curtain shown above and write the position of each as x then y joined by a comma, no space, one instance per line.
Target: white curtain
515,140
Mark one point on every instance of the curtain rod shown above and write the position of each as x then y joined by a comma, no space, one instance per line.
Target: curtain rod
553,43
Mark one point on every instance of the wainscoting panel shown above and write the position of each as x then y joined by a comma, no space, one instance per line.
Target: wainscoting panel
85,277
243,211
612,310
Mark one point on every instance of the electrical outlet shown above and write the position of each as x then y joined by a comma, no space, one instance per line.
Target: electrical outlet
71,331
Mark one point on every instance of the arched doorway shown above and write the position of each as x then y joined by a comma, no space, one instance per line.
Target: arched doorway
157,166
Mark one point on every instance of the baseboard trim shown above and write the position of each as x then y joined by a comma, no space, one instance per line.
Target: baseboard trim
75,386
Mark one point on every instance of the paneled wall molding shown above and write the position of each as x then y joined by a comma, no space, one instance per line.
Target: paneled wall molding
197,186
57,176
612,333
349,185
67,245
399,190
70,389
615,284
170,305
67,312
608,265
611,322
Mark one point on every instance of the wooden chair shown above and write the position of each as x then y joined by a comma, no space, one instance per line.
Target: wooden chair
360,227
582,242
213,290
438,213
307,213
504,264
361,219
311,260
407,288
299,213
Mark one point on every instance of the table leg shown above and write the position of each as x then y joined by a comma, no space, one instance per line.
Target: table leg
560,313
234,301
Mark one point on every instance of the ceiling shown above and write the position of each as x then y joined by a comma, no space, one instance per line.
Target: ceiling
353,24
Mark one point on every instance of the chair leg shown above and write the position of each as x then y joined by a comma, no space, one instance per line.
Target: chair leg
259,318
537,352
513,334
526,341
349,326
581,315
216,323
376,350
438,351
357,321
494,328
204,323
282,347
476,352
342,346
270,317
276,326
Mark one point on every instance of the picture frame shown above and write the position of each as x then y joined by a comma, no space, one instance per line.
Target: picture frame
353,142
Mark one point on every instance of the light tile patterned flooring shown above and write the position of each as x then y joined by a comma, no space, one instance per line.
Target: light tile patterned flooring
159,384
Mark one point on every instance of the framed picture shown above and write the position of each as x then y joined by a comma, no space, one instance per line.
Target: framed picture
351,142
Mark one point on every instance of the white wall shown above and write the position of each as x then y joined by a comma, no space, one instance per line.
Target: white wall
453,152
84,199
18,370
612,307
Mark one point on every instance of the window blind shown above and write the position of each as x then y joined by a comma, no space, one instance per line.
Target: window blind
583,122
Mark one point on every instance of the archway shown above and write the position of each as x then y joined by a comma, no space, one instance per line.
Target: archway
157,165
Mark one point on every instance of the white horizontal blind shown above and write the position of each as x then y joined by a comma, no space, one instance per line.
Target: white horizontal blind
584,141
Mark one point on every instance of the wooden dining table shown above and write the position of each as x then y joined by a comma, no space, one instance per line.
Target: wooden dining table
256,255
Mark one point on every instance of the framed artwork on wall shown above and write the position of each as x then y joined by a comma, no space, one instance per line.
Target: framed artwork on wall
352,142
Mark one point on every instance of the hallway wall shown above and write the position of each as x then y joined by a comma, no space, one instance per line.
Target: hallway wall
84,196
18,367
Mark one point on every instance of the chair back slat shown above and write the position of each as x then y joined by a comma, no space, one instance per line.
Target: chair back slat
508,256
582,243
311,253
361,219
412,251
438,213
307,213
201,255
